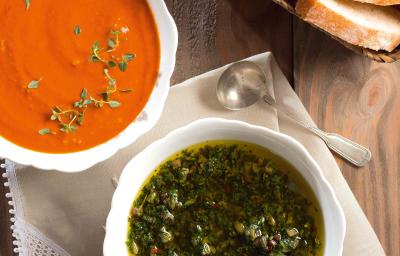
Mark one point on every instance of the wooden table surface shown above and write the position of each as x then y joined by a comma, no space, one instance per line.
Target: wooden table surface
344,92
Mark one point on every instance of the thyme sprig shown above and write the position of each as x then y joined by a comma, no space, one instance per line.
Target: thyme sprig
67,119
114,42
100,103
95,57
70,119
111,87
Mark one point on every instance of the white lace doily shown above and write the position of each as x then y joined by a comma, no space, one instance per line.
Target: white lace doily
28,240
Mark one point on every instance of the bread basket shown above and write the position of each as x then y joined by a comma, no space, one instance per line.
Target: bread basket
380,56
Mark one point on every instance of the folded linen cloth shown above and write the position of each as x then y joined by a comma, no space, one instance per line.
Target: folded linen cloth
63,214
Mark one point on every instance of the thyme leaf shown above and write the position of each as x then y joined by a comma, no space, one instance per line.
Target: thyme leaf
79,121
44,131
123,66
128,57
83,94
77,30
95,57
27,4
112,64
34,84
67,128
114,104
111,43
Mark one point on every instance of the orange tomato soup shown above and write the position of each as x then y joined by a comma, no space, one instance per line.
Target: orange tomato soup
44,43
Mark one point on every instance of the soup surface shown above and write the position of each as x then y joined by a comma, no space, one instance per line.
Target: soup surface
74,74
225,198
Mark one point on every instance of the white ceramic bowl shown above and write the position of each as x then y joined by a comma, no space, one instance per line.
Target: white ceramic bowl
79,161
138,170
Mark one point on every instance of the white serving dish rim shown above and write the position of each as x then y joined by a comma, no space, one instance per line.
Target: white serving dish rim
131,182
82,160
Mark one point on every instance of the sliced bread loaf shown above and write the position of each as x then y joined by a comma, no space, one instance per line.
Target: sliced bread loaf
366,25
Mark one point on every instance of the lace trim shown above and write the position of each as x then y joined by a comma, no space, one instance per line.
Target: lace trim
28,241
40,245
14,205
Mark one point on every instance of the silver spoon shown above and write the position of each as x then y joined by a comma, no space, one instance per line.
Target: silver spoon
244,83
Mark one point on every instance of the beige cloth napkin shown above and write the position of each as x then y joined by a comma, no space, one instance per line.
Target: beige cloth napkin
71,208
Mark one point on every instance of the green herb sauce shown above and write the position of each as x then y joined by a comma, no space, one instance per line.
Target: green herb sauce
225,198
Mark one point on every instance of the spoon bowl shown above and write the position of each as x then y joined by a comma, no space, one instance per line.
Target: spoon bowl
241,85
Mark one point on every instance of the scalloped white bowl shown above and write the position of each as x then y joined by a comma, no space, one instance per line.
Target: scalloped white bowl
79,161
138,170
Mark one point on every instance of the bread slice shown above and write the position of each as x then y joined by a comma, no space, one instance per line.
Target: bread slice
366,25
381,2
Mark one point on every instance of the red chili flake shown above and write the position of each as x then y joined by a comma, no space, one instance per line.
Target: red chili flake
247,179
154,250
228,190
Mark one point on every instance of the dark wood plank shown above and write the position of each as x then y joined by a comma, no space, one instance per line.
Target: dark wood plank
216,32
5,232
360,99
213,33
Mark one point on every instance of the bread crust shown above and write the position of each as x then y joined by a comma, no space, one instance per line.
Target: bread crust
318,14
380,2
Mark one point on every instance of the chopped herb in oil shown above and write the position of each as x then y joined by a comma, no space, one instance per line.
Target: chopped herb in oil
222,199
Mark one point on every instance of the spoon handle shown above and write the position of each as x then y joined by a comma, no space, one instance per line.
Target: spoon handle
349,150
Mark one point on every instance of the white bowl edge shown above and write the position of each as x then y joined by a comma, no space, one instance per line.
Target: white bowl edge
130,181
79,161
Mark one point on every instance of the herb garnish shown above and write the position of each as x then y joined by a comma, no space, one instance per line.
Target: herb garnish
112,64
112,85
113,44
113,41
77,30
27,4
70,119
45,131
67,118
95,57
83,102
114,104
127,57
34,84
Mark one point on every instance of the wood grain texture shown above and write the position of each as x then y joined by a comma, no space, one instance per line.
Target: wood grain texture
5,232
360,99
213,33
